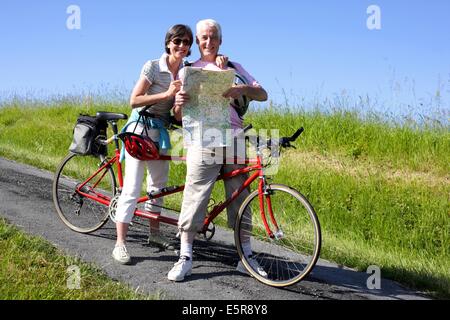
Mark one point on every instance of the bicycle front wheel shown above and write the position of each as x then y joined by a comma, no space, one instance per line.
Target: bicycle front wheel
286,254
79,212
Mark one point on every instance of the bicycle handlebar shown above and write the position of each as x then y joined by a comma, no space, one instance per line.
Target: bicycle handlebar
247,127
296,134
285,142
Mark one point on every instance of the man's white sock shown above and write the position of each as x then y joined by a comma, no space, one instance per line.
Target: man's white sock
187,240
186,250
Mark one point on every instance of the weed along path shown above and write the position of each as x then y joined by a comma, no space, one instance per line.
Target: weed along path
26,201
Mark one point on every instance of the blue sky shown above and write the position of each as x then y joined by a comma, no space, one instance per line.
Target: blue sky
298,50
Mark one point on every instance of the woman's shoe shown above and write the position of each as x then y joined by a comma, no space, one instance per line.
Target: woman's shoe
120,254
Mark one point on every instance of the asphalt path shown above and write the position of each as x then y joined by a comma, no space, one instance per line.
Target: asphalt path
26,201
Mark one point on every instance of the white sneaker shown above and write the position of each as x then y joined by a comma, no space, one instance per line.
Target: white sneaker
255,266
180,269
120,254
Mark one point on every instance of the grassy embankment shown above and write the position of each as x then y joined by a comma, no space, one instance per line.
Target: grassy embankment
31,268
381,190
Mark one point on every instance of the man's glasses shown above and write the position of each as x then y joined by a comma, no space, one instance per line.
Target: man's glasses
178,41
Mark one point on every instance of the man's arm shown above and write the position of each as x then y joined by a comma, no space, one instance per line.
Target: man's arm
252,92
256,93
252,89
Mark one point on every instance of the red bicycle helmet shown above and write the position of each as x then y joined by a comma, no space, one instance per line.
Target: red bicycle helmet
139,146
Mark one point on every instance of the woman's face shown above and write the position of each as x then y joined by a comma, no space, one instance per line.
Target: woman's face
179,46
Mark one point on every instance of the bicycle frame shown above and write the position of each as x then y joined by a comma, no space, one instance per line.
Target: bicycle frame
254,164
269,265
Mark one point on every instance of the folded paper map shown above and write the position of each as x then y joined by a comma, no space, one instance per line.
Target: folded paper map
206,118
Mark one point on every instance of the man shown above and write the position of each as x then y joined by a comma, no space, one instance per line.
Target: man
201,175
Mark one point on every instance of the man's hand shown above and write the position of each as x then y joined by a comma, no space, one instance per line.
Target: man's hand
221,61
236,91
256,93
174,87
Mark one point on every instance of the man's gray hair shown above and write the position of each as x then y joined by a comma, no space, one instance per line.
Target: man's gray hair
210,23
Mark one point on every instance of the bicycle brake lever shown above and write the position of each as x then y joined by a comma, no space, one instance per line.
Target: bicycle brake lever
288,144
285,143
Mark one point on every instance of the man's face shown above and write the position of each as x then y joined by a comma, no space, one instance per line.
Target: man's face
208,42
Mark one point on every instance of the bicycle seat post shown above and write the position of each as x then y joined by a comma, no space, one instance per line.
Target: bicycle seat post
115,131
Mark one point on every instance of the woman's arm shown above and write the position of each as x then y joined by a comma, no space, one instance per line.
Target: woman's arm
140,98
181,98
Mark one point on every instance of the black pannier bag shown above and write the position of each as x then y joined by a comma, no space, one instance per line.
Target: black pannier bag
85,135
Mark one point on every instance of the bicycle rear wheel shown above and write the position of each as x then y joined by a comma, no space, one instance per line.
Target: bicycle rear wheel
293,250
77,211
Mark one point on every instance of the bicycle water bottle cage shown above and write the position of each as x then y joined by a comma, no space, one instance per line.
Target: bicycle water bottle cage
139,146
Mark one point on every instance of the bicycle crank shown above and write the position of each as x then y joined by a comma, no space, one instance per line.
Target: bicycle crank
208,234
113,207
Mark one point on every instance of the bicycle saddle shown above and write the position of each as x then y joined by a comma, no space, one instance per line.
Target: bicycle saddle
110,116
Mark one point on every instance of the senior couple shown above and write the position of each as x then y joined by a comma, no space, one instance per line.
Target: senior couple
159,85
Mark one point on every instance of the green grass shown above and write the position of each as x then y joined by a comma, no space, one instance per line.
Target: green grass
33,269
403,228
345,133
380,189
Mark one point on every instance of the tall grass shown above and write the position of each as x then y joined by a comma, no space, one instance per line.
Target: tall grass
343,132
380,188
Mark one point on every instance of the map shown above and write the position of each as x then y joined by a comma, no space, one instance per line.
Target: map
206,118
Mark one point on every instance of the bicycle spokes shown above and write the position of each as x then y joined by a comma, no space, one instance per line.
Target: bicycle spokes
284,235
81,205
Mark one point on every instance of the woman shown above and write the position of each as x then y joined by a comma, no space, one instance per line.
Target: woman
156,86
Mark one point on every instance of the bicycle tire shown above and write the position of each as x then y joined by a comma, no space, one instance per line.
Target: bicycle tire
77,212
291,255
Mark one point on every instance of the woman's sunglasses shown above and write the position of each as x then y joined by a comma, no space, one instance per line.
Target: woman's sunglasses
178,41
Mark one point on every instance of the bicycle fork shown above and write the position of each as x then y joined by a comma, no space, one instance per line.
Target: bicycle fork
264,193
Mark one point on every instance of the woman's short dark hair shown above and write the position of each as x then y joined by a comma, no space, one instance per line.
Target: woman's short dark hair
179,31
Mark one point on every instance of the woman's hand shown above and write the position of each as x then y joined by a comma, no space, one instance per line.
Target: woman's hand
174,87
181,99
221,61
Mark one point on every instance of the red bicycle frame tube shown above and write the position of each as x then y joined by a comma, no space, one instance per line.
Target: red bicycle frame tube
100,197
234,160
272,217
261,201
119,168
220,207
259,173
172,158
156,216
